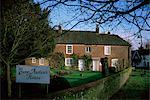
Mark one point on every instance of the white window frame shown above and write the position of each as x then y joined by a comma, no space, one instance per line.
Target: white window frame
68,63
67,49
114,64
107,50
33,60
41,61
87,49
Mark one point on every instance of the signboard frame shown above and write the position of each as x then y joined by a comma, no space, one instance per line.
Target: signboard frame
32,74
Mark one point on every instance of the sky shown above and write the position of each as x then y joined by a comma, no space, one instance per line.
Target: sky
62,15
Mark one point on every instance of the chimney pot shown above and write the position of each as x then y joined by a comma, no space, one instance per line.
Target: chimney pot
97,28
107,32
59,29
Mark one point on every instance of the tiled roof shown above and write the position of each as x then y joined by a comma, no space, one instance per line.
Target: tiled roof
90,37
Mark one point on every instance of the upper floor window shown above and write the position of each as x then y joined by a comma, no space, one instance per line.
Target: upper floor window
87,49
69,49
41,61
107,50
33,60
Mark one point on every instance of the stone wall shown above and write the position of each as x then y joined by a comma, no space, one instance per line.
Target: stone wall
102,89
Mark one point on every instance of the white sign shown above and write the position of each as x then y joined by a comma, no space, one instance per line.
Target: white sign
32,74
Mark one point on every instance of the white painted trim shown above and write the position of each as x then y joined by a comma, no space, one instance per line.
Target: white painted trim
114,62
67,49
87,49
95,63
41,62
107,50
66,63
33,60
81,64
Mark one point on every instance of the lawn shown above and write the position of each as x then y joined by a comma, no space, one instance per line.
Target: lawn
78,78
136,88
70,77
65,79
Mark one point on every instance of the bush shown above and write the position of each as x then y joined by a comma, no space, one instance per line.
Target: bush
88,61
56,60
112,69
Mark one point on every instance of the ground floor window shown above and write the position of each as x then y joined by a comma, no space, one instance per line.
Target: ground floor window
41,61
33,60
114,63
68,61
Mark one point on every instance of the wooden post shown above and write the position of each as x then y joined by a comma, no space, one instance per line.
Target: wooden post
19,90
47,88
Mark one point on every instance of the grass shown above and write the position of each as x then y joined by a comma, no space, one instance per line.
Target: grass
71,79
78,78
137,87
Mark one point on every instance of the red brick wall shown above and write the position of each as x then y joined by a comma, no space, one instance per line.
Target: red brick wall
97,51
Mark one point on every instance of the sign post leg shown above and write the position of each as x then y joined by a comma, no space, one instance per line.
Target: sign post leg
19,90
47,88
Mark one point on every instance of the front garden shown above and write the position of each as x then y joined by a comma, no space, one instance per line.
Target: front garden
79,78
59,79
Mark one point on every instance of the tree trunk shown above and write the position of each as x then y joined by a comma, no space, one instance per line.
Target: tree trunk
8,80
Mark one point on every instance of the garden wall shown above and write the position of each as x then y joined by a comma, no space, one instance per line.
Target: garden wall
102,89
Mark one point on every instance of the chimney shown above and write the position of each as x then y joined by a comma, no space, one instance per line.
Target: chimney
97,28
59,29
107,32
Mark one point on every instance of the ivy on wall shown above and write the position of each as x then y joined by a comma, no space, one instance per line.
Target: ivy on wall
75,59
87,60
57,60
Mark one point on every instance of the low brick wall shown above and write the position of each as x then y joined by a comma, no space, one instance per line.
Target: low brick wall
102,89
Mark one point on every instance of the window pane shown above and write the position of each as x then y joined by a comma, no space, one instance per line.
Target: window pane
68,61
41,61
33,60
107,50
87,49
69,49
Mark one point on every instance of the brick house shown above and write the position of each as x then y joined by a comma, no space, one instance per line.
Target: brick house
37,61
97,45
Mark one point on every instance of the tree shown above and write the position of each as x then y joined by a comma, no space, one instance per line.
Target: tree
110,13
56,60
25,33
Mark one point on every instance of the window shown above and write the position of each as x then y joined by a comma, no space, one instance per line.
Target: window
69,49
41,61
87,49
107,50
114,63
68,61
33,60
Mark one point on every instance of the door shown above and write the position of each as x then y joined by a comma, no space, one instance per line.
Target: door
81,64
95,65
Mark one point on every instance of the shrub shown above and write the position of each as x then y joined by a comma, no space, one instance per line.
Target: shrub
88,61
75,59
56,60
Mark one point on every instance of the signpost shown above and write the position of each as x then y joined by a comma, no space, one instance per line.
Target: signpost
32,74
